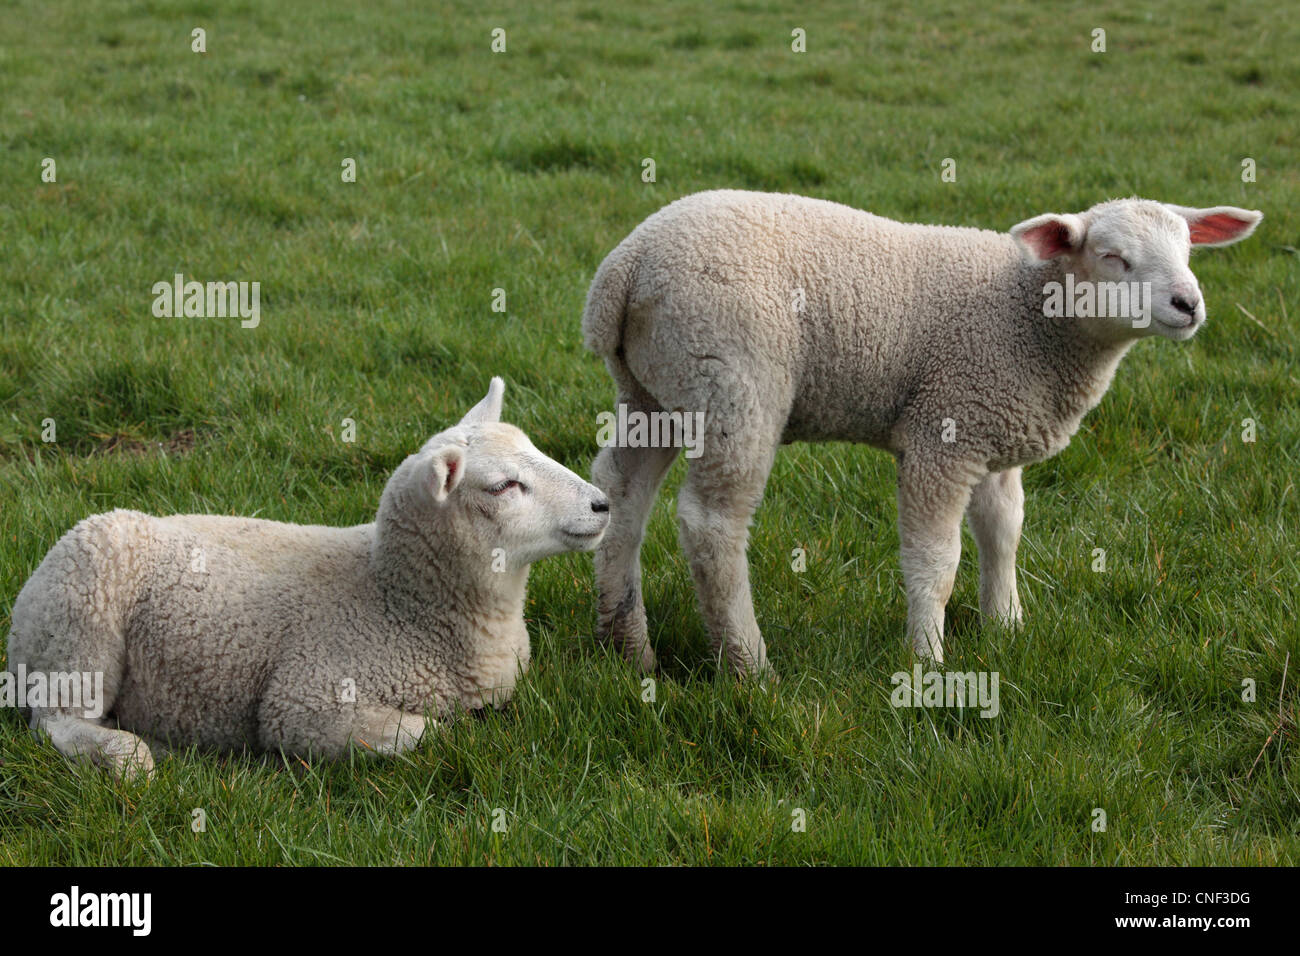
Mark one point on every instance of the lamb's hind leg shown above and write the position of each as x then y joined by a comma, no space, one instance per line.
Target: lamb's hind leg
82,738
714,509
630,477
63,626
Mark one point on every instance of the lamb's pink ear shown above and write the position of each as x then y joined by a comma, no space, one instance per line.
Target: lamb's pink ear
444,470
489,409
1051,234
1218,225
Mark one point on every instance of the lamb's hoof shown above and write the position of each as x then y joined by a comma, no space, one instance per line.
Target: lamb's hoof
744,667
640,655
927,654
1011,622
129,758
647,664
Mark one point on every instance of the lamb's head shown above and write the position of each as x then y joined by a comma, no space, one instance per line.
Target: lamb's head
481,488
1131,256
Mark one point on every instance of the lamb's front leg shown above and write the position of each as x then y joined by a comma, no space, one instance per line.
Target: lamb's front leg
932,496
996,513
386,730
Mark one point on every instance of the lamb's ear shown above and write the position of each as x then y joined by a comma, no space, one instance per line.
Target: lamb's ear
489,409
443,470
1218,225
1051,234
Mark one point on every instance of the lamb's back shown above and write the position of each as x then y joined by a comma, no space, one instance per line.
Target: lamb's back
852,312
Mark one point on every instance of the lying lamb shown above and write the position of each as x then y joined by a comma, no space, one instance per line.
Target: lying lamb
235,632
783,318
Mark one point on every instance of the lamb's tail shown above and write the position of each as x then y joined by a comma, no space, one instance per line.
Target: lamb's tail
602,318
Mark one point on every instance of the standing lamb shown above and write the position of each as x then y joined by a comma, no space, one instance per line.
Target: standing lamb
232,632
783,319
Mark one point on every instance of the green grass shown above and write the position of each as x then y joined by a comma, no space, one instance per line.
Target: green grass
521,171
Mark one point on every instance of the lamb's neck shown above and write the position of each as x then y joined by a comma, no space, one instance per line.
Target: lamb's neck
433,582
1080,353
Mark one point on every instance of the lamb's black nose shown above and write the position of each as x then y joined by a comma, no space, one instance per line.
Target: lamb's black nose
1183,306
601,506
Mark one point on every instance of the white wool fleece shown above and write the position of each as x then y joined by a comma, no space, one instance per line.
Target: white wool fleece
784,318
229,632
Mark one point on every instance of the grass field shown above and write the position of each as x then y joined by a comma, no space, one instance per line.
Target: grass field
519,171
